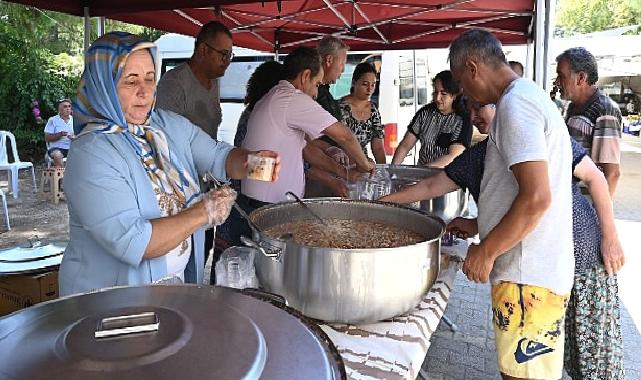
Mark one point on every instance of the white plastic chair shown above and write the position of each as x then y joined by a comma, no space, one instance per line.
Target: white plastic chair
6,210
12,168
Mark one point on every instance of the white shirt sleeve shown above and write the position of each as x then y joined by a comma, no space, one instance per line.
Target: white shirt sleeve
520,130
51,126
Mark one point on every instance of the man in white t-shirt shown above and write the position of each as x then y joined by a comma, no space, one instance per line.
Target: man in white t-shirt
525,211
58,133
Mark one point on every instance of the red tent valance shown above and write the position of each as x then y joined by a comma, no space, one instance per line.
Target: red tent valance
283,25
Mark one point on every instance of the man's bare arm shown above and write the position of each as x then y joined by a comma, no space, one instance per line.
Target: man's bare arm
612,174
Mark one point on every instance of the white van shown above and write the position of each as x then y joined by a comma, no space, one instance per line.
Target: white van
404,83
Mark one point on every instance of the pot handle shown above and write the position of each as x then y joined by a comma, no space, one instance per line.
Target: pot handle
127,325
273,254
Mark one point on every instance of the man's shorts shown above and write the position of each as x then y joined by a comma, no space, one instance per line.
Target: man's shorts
63,151
528,326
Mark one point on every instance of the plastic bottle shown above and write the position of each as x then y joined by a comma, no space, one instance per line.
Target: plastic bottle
233,273
375,186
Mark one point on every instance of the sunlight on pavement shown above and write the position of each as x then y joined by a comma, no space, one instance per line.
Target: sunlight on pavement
629,279
630,143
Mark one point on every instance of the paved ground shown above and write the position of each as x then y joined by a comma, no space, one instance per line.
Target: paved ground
469,353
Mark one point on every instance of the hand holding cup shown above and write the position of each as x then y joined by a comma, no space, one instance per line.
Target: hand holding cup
263,165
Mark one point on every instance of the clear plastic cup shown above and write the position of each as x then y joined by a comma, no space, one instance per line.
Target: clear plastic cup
260,168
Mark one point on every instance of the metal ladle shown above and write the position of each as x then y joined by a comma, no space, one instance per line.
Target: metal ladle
291,195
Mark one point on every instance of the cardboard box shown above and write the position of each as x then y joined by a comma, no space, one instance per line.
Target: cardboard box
18,292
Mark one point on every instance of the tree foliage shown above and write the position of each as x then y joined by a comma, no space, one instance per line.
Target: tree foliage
586,16
30,71
41,59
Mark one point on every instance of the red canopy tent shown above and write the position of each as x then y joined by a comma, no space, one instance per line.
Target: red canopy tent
282,25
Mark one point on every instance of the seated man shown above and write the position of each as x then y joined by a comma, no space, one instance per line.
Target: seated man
58,133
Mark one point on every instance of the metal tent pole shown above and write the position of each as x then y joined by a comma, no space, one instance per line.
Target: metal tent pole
539,43
101,26
276,43
550,12
529,59
87,24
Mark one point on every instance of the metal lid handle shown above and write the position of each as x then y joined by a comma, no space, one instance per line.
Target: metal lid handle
127,325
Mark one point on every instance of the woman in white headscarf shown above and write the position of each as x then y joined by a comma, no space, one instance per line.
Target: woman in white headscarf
136,213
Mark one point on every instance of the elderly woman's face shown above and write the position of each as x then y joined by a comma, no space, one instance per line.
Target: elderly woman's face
137,87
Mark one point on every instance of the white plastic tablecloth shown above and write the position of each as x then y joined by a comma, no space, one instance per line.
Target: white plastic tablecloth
395,348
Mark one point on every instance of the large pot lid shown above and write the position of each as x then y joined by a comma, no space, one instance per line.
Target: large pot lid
34,258
179,332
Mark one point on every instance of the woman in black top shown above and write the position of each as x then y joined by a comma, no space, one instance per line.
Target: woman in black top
442,127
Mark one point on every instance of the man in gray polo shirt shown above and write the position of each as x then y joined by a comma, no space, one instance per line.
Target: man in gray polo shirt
191,88
525,211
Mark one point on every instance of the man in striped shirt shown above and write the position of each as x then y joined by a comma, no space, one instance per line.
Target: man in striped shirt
593,119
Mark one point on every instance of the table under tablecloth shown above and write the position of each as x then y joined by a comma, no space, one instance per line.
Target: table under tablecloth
395,348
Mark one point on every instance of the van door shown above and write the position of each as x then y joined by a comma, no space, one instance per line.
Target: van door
413,93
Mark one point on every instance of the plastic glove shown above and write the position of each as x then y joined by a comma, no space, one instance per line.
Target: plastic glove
218,203
339,156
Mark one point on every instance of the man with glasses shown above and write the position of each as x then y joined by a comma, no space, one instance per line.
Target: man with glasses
191,89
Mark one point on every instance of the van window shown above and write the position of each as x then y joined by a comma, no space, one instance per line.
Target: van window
233,85
421,81
406,79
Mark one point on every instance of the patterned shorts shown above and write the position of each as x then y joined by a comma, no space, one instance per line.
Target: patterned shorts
528,326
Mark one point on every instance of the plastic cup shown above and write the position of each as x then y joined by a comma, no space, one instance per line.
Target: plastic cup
260,168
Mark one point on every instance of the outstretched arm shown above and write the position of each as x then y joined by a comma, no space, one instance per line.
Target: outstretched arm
452,152
594,179
346,139
408,142
612,174
428,188
378,150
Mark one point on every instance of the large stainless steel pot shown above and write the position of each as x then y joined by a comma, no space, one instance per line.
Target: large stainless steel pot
446,207
348,285
164,332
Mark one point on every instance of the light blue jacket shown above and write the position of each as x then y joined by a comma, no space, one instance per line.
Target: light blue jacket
111,203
